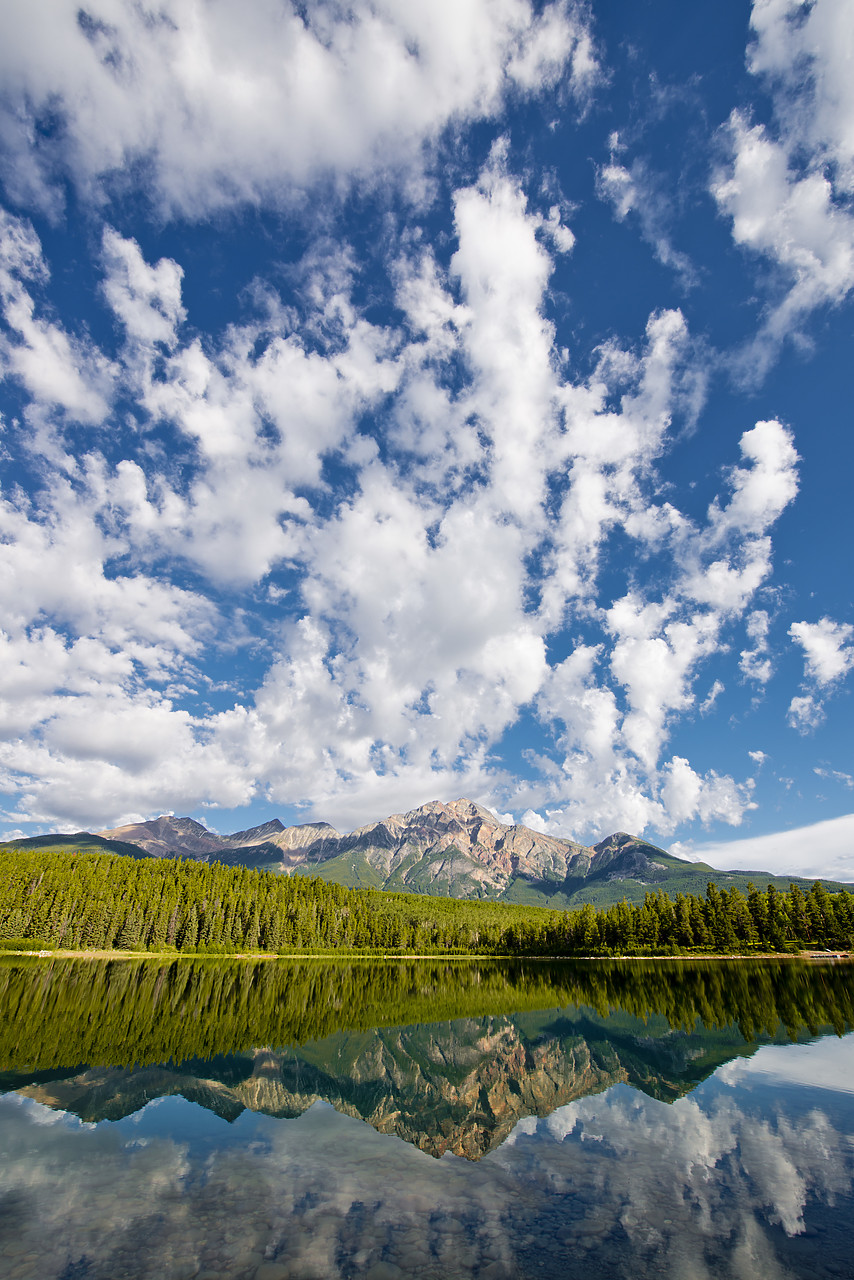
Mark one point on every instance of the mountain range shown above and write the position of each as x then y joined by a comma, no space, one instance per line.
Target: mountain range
458,849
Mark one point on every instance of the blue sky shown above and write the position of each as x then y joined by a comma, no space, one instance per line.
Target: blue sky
417,400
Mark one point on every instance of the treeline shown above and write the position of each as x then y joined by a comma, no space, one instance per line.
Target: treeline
78,901
123,1013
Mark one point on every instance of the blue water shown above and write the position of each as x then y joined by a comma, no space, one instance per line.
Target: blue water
746,1174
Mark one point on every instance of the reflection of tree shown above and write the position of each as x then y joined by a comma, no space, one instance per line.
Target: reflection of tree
62,1013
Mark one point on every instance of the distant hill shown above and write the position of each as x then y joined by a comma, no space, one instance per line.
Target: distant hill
458,850
82,841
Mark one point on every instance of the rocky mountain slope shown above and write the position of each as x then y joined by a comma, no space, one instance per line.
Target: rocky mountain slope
458,849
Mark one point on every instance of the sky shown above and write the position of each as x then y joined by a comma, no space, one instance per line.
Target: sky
429,398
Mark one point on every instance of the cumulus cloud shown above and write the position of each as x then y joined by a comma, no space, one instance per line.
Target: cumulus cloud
828,657
56,369
726,562
787,187
427,589
828,651
805,712
756,663
268,100
654,659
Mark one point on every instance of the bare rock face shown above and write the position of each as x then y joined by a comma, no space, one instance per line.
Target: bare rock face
457,849
460,845
256,835
168,837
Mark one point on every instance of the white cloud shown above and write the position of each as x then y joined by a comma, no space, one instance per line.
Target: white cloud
828,657
728,561
609,455
411,605
793,37
755,663
824,850
601,785
635,190
711,697
805,712
687,796
654,660
835,775
240,514
56,369
147,300
828,651
503,272
762,489
787,187
218,108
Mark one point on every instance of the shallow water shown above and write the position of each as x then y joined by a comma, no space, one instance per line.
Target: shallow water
685,1120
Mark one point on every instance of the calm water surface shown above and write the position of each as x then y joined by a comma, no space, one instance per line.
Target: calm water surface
316,1120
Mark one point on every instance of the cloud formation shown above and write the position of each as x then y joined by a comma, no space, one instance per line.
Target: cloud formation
269,100
318,492
828,657
731,1174
787,188
821,850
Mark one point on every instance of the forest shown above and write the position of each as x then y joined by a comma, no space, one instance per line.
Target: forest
54,899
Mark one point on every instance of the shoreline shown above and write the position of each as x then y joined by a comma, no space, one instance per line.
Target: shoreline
60,954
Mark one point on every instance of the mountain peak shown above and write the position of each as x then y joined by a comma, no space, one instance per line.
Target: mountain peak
456,848
167,835
257,835
463,810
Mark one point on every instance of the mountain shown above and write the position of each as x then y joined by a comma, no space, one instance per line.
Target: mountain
457,849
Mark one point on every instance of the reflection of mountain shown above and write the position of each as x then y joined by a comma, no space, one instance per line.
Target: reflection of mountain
459,1086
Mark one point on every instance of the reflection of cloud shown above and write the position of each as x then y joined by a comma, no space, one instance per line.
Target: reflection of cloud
79,1194
692,1188
708,1168
40,1114
827,1064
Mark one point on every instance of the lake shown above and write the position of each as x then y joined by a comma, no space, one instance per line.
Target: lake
495,1120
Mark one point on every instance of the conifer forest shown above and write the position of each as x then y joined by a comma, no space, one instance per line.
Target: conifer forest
72,901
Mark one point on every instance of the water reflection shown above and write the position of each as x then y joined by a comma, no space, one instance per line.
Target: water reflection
629,1139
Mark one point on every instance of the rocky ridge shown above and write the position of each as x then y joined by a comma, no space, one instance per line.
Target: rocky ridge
459,849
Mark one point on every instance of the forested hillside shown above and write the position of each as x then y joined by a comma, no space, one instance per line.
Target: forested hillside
456,850
92,901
